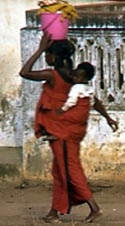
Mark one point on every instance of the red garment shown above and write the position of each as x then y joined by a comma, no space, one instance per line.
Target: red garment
71,124
51,98
70,186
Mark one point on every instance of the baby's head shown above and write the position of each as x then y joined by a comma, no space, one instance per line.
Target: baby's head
84,72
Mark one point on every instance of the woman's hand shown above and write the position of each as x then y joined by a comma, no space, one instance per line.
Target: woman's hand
98,106
45,42
59,111
112,123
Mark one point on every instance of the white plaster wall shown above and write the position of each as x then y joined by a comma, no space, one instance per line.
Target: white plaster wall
12,17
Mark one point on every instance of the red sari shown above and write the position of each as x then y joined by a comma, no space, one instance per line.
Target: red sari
70,185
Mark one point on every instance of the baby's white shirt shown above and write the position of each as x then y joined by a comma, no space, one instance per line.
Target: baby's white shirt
78,91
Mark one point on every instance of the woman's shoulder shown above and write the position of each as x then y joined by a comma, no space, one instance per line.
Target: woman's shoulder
51,71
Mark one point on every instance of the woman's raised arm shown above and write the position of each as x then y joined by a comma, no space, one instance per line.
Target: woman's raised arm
37,75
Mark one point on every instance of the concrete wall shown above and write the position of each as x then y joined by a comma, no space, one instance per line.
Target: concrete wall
12,17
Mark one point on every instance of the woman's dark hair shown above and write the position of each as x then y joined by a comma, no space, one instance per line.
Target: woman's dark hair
63,50
88,68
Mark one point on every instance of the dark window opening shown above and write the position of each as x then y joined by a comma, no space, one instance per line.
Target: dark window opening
120,75
100,51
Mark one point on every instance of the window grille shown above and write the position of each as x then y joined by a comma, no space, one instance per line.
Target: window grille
105,49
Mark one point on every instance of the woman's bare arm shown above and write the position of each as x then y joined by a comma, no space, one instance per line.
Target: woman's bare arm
98,106
37,75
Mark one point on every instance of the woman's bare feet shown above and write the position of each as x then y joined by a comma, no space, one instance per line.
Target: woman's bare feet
49,137
51,217
92,216
95,211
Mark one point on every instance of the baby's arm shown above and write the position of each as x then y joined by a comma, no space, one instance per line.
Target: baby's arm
72,99
70,102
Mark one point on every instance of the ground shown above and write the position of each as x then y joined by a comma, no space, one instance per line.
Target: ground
25,204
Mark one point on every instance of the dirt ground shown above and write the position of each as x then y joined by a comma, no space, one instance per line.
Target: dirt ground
25,204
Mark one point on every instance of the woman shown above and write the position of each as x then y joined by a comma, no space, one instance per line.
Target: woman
70,185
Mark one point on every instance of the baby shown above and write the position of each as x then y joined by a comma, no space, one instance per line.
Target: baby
81,88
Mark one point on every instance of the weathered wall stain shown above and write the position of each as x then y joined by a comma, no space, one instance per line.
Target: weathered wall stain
106,161
103,157
10,120
37,159
9,172
12,17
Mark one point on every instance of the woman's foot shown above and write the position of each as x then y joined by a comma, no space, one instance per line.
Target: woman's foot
95,210
93,215
52,216
51,219
49,137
